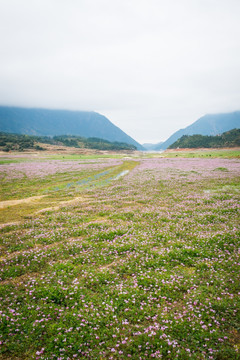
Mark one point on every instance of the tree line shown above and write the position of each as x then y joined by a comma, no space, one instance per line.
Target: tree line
19,142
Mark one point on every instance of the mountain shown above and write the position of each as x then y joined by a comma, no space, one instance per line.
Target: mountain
228,139
212,124
149,146
45,122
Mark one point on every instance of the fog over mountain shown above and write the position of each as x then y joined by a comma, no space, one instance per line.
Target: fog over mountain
150,66
61,122
211,124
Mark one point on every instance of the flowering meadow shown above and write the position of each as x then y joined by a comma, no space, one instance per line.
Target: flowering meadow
140,260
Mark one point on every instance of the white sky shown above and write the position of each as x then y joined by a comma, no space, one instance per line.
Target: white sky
150,66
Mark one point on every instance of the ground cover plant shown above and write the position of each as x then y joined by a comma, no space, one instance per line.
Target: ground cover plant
143,262
202,153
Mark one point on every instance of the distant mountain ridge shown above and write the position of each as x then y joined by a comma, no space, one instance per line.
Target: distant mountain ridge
46,122
150,146
211,124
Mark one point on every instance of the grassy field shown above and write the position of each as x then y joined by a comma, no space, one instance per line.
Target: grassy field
203,153
115,258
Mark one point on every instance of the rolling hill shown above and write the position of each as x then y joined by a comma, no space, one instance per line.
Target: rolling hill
45,122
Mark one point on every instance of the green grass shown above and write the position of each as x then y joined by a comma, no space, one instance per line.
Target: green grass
146,266
228,154
85,157
27,187
54,189
8,161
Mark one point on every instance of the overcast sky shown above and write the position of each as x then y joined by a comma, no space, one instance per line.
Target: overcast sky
150,66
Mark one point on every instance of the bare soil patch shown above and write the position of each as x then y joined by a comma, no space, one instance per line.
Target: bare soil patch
6,203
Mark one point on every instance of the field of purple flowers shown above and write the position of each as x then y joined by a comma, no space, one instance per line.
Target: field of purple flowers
143,266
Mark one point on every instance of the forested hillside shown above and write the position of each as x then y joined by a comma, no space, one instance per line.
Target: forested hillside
228,139
17,142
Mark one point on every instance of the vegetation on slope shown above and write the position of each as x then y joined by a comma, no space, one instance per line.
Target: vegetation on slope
18,142
46,122
212,124
228,139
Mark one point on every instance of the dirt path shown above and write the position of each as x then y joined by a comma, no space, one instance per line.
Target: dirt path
61,204
4,204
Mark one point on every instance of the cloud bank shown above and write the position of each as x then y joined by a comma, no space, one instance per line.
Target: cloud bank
151,66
